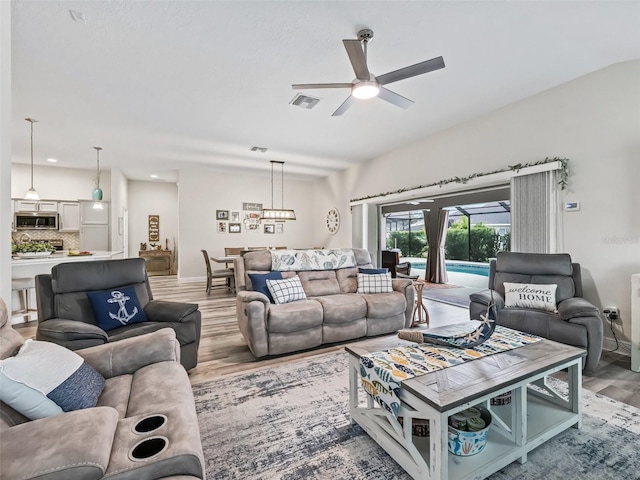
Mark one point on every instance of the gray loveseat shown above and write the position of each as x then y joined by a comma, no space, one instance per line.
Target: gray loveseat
144,382
332,312
577,321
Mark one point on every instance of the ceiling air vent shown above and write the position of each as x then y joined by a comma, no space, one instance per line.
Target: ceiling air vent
259,149
304,101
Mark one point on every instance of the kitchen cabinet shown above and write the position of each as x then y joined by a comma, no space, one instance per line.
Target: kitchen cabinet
92,216
35,206
69,216
158,262
94,227
94,238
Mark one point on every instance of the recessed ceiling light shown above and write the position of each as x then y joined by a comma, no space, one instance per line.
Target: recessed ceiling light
52,160
154,176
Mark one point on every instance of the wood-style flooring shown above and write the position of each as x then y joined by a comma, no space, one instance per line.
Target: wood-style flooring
223,350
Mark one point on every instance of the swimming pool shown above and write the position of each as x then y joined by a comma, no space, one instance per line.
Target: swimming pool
453,266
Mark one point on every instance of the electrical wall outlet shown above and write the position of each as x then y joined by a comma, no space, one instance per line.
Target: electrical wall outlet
612,313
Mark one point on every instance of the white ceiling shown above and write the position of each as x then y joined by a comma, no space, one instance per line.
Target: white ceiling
165,83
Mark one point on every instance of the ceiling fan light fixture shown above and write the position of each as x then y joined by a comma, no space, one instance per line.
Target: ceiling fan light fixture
365,89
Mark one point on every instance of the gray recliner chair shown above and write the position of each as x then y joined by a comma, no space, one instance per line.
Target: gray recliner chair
577,322
65,315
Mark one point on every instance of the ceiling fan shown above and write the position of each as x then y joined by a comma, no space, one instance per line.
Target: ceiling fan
367,85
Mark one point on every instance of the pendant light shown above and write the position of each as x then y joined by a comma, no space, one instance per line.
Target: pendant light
96,195
31,193
274,213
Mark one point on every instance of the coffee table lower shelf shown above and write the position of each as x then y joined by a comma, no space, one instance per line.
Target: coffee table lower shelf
535,415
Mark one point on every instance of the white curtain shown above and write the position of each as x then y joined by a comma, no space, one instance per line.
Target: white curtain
534,213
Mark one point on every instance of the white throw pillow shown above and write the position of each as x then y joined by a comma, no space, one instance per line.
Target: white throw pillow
528,295
287,290
374,283
45,379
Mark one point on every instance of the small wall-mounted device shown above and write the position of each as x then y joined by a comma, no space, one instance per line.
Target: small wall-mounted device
571,206
611,313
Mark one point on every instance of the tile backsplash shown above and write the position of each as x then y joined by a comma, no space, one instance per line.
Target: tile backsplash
71,240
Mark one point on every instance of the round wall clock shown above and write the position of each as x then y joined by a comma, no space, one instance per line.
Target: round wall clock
333,220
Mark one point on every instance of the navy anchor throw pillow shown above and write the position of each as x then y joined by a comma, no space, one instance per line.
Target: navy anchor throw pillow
116,307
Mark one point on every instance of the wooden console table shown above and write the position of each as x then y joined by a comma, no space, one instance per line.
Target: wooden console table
158,261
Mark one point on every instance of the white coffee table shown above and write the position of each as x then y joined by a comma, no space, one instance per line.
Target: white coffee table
533,417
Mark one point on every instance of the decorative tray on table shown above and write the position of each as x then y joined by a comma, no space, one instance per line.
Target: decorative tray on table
76,253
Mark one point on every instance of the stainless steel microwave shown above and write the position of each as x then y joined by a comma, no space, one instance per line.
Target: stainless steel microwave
36,221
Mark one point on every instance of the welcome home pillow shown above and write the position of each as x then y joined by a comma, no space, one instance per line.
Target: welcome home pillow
528,295
116,307
374,283
287,290
259,282
45,379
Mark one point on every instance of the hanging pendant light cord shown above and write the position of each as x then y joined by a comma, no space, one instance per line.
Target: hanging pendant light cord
272,162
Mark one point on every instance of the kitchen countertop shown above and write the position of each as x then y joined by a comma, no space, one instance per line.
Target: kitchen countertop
62,257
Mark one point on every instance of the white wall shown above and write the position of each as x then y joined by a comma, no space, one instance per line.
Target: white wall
204,190
5,152
152,198
58,183
594,121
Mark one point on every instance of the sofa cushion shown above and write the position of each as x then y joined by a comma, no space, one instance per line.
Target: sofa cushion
286,290
371,271
343,308
116,307
45,379
295,316
383,305
529,295
348,279
374,283
319,282
259,282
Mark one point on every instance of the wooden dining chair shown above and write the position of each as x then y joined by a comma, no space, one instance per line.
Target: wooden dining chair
226,273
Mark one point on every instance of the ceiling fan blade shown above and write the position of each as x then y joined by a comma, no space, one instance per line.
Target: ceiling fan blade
299,86
407,72
395,98
357,58
345,105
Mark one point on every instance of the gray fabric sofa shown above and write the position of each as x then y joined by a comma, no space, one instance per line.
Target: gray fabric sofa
143,379
577,322
332,312
65,315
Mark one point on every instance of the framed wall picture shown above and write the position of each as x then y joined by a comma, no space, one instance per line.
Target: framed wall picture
235,217
222,227
251,222
154,228
251,207
279,227
234,227
222,214
269,228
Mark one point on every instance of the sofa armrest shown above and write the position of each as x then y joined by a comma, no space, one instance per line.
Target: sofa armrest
71,334
129,355
163,311
252,311
72,445
576,307
595,336
400,284
480,301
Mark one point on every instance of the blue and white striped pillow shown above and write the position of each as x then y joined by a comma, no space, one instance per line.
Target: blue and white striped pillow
374,283
45,379
287,290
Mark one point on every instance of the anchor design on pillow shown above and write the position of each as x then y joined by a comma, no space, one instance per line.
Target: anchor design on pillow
123,316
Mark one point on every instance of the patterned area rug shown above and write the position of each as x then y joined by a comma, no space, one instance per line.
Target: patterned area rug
291,422
458,296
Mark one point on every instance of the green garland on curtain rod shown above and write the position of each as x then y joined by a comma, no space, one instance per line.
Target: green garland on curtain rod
563,181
